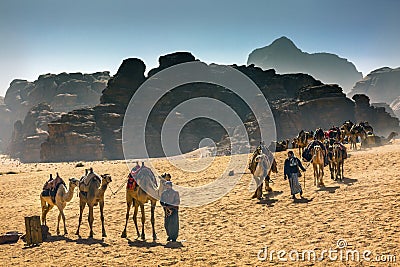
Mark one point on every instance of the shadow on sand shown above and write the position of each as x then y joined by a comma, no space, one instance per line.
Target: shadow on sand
174,245
302,200
269,198
80,240
349,181
143,243
330,189
91,241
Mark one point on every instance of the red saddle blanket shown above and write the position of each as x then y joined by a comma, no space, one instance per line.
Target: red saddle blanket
131,184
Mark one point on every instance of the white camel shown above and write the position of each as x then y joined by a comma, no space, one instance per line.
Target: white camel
63,195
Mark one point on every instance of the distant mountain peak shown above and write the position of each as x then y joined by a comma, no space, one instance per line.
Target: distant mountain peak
284,56
283,42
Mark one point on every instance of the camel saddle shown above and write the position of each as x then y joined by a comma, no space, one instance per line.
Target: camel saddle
85,180
51,186
132,183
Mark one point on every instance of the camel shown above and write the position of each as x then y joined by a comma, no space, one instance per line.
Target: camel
356,131
372,140
138,196
318,165
345,129
95,195
319,135
279,146
63,195
303,139
262,173
338,157
368,128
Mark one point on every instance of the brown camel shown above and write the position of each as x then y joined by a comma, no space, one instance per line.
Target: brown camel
318,165
63,195
145,190
262,173
357,131
372,140
94,195
302,140
339,154
345,130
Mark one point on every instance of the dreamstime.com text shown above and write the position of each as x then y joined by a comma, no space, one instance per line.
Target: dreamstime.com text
341,252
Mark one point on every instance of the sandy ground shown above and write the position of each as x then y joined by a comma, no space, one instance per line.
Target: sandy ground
364,211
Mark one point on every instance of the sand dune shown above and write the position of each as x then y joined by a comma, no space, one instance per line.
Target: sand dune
363,210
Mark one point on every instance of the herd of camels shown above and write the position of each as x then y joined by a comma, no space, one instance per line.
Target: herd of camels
93,186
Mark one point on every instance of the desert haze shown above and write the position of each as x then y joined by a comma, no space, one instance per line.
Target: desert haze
363,211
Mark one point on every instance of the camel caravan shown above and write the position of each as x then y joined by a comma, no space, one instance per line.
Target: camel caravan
320,148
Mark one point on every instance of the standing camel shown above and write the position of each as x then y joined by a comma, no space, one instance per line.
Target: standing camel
63,195
302,139
144,191
355,132
338,157
262,173
318,165
95,195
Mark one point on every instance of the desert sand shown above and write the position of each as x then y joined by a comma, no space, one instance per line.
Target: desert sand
363,211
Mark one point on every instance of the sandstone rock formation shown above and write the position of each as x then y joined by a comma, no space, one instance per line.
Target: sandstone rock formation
297,101
62,92
381,85
31,133
283,56
5,120
381,121
74,136
395,105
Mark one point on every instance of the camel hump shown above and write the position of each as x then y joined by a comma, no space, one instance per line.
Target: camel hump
86,179
146,178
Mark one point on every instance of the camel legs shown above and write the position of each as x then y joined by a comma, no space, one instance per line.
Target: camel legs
318,174
153,207
342,169
143,236
61,215
91,219
135,218
82,205
258,193
129,201
45,209
332,170
103,229
315,174
267,187
321,172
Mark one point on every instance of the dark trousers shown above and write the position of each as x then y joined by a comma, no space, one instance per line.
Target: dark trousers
171,224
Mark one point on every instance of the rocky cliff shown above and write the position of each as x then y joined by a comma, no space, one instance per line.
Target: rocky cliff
298,101
381,120
283,56
31,133
62,92
381,85
395,105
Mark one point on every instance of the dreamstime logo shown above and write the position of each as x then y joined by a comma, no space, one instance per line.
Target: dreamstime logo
342,252
136,146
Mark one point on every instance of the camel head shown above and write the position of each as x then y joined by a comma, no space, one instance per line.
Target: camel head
106,178
166,176
260,158
73,181
392,135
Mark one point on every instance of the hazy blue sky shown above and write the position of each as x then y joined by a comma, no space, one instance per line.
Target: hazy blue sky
50,36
